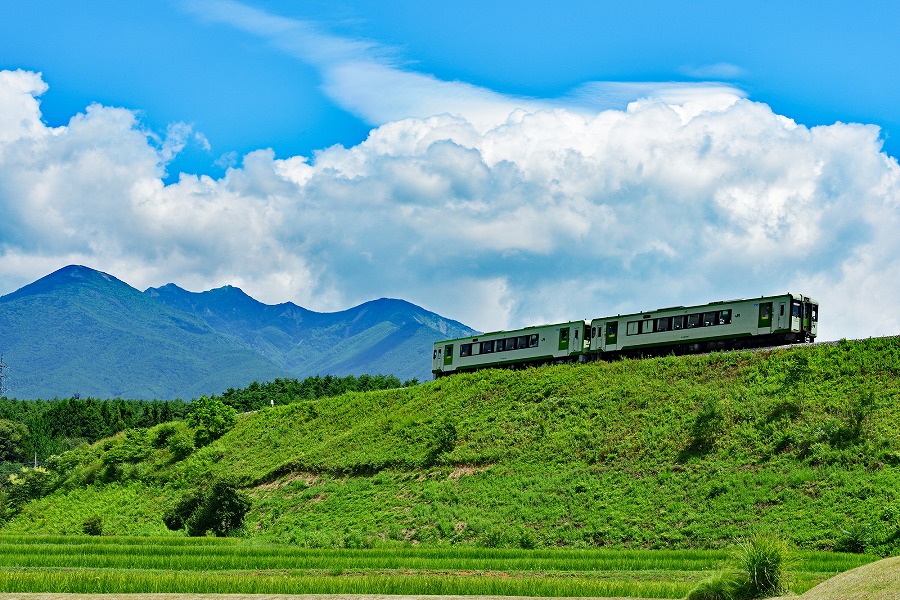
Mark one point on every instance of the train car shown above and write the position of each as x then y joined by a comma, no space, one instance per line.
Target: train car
506,349
769,320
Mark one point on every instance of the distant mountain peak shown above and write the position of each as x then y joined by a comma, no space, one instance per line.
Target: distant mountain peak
72,275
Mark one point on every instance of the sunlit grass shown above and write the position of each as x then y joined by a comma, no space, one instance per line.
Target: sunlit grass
212,565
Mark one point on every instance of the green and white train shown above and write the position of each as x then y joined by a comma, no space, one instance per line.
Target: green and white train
733,324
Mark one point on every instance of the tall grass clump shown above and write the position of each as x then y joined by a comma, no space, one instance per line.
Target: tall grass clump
760,570
764,560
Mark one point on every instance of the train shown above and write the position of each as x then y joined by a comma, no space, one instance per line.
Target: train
726,325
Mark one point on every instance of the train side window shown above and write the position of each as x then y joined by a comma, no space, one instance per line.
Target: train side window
664,323
631,328
647,326
678,322
593,332
781,312
693,320
533,342
522,342
465,349
487,347
709,319
498,346
725,317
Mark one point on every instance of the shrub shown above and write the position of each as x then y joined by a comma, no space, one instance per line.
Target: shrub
220,508
93,526
855,540
181,445
162,434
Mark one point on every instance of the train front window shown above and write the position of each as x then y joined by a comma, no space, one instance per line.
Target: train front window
815,314
795,309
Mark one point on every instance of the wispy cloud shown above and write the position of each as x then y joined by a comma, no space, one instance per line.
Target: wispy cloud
370,81
721,70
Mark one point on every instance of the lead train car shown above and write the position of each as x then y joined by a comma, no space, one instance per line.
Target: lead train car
769,320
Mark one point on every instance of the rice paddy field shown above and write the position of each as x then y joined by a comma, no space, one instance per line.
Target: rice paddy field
120,565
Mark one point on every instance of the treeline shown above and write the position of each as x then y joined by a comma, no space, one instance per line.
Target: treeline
285,391
47,427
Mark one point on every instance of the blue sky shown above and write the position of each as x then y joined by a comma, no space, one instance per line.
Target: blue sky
657,153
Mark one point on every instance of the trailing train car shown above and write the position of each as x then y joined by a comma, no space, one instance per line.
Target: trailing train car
541,344
765,321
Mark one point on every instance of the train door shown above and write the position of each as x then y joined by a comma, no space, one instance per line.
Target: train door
448,355
564,339
781,316
813,319
596,335
810,318
765,317
612,329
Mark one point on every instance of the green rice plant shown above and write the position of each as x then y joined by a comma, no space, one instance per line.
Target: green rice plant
764,561
723,585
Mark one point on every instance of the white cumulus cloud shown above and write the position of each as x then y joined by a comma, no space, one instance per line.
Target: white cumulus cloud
550,214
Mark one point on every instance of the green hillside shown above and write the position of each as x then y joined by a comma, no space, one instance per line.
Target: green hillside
674,452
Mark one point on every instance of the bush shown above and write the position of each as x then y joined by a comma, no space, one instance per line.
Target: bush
163,433
93,526
855,540
220,508
181,445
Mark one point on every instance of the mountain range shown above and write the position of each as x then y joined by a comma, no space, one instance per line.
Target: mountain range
82,331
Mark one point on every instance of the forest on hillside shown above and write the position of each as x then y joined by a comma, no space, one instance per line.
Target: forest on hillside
33,430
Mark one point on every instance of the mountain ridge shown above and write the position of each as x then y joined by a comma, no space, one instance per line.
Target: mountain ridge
79,330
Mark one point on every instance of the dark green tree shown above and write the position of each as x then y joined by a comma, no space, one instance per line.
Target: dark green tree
210,418
15,443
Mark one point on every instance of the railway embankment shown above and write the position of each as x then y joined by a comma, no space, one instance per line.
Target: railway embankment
673,452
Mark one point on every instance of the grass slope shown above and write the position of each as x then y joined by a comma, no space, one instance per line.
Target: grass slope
675,452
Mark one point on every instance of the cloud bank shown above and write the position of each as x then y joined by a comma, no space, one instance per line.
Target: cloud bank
552,214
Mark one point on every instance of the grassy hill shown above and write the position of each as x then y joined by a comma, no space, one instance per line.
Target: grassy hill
674,452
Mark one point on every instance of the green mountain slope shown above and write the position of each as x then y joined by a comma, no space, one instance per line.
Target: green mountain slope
386,336
671,452
82,331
